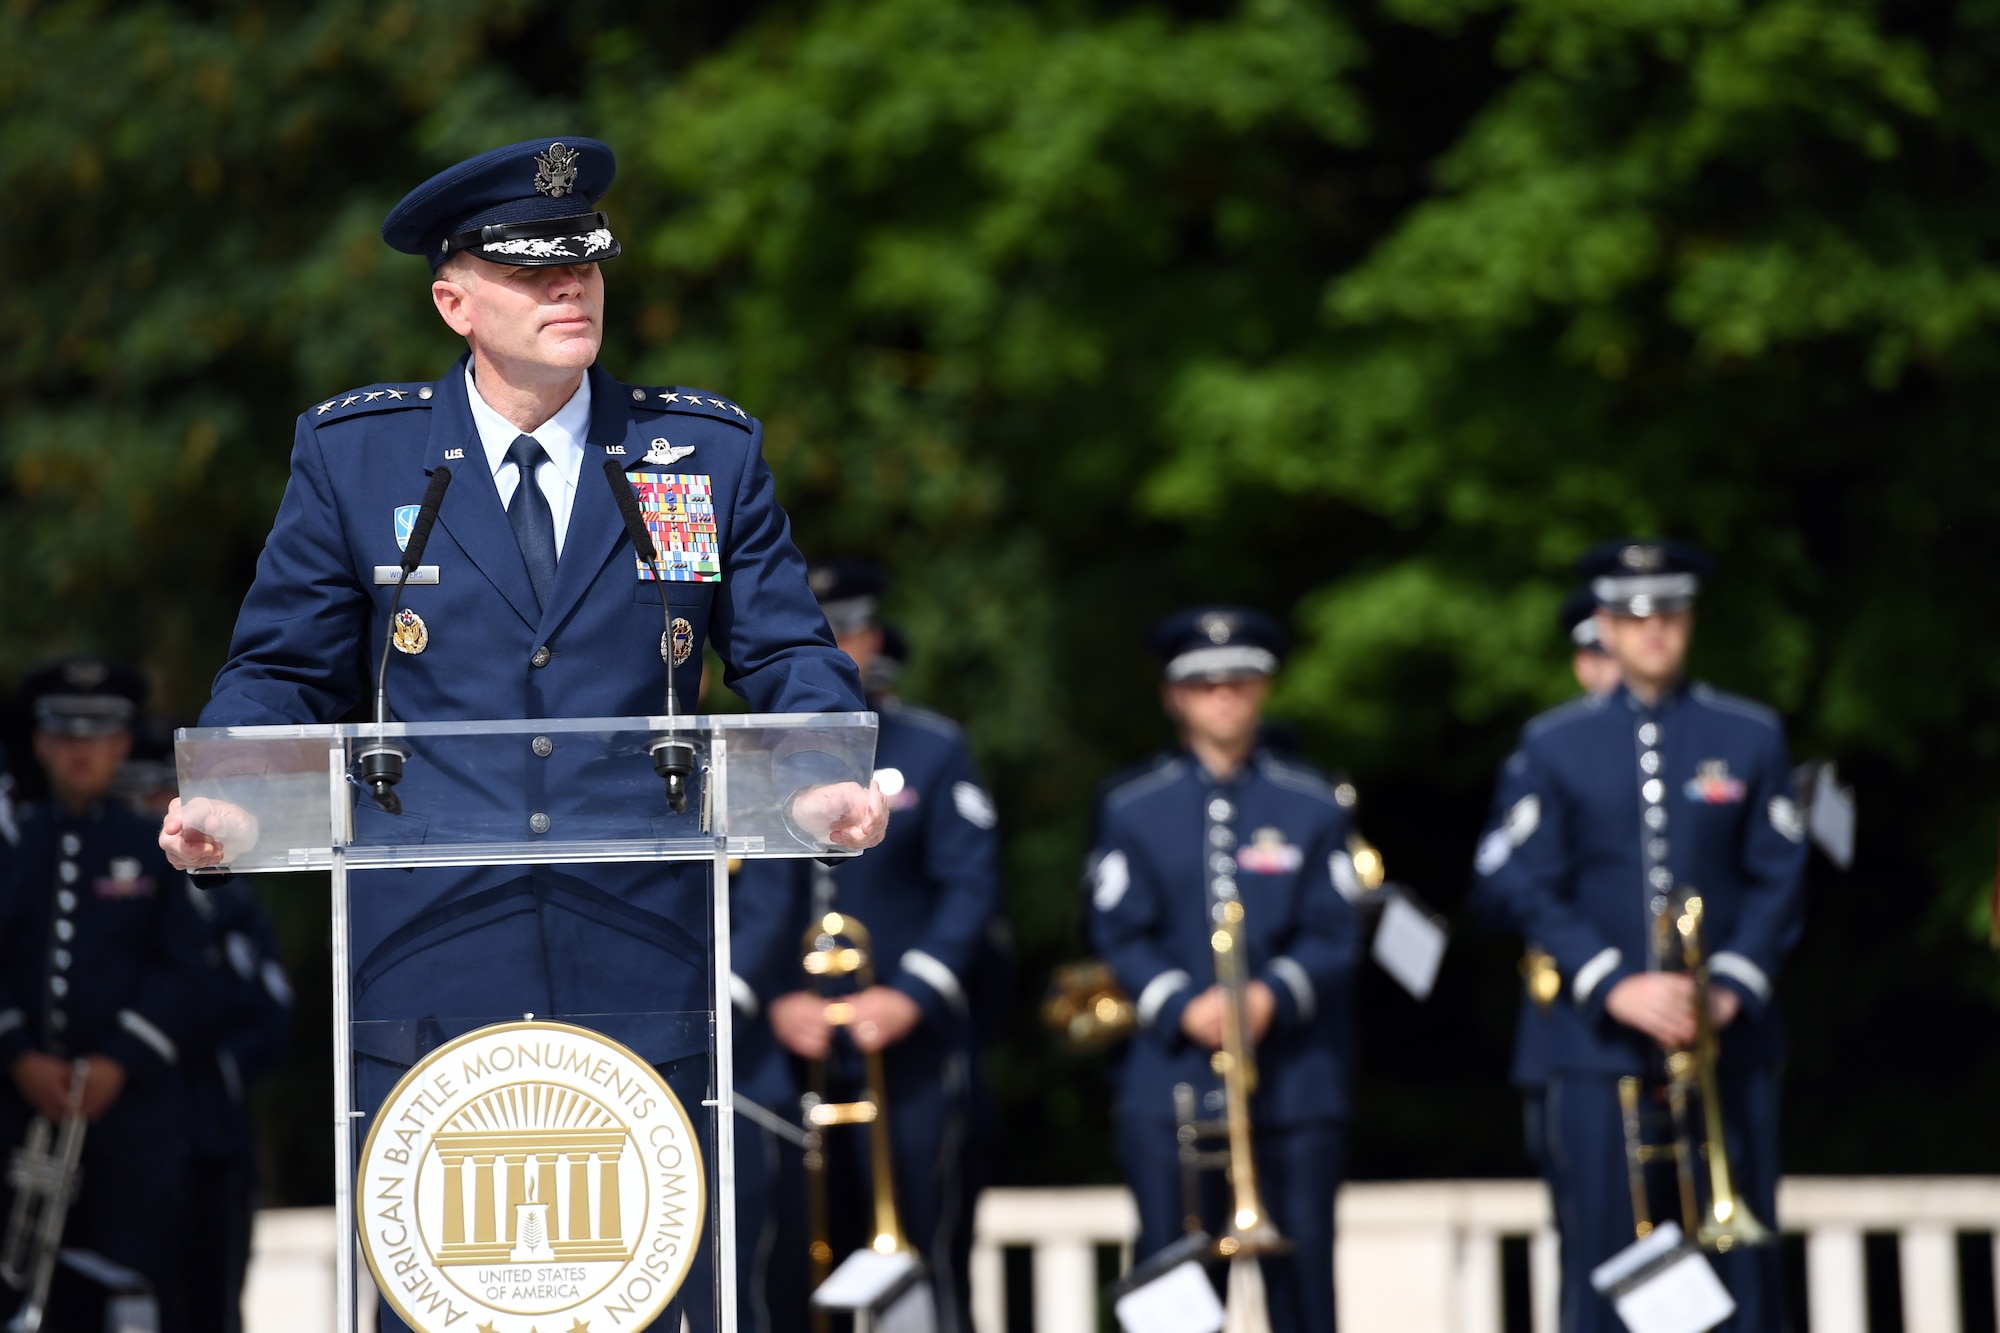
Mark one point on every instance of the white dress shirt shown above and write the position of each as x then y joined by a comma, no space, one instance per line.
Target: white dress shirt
561,438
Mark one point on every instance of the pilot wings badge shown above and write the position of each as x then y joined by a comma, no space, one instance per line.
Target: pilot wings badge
555,171
660,453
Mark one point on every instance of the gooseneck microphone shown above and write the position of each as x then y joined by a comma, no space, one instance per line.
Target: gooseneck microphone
673,758
382,763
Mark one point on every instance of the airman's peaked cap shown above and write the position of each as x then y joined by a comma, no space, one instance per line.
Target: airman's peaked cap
1219,643
530,204
849,592
84,696
1640,576
1578,618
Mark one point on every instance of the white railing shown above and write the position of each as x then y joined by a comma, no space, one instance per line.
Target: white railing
1413,1257
1425,1256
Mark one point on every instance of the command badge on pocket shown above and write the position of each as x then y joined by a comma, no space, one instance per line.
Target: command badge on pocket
412,635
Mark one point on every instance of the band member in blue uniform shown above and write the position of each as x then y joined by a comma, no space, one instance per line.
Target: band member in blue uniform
98,948
247,1001
927,896
1223,821
1612,803
537,607
1596,673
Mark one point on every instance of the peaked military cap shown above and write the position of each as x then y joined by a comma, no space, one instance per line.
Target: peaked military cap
531,204
84,696
1636,576
1219,643
849,592
1578,617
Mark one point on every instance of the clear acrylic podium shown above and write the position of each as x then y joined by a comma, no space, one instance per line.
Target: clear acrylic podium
521,845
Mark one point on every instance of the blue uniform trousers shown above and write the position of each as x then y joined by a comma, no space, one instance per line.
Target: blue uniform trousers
1586,1146
771,1276
1299,1168
928,1122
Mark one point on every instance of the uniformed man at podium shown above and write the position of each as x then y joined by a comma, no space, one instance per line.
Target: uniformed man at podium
535,607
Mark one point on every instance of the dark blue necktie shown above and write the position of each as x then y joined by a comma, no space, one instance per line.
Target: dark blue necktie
534,525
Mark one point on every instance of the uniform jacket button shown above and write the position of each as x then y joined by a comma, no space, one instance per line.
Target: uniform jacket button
543,746
541,657
538,822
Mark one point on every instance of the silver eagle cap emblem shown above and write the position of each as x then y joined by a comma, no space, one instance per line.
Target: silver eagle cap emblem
555,171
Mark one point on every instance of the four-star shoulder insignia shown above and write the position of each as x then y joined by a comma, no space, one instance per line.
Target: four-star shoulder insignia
375,398
688,400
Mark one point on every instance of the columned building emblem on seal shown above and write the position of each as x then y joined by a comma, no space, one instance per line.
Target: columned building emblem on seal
529,1171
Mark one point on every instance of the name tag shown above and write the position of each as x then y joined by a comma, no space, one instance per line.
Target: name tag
391,574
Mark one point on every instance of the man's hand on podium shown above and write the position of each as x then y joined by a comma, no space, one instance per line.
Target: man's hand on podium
843,813
205,832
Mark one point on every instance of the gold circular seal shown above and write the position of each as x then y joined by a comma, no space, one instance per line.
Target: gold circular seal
411,634
530,1174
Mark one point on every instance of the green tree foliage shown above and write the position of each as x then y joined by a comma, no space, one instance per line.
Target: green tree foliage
1371,314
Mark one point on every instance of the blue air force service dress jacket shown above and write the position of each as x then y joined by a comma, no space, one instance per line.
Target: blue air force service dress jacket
553,940
926,895
1173,843
1610,807
99,945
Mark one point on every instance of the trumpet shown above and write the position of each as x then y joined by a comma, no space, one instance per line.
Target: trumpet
1727,1221
1250,1230
45,1181
838,946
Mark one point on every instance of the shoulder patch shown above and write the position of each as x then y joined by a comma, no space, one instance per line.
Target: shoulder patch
1296,777
974,806
694,402
1166,775
1109,879
1735,703
365,402
1576,710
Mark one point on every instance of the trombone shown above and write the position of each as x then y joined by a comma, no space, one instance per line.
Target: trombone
45,1182
1250,1230
837,946
1727,1221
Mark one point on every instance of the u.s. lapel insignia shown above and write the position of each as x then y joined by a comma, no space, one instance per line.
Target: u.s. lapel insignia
412,635
406,519
661,453
680,642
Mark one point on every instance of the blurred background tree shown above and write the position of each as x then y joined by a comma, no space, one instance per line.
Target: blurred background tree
1373,315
